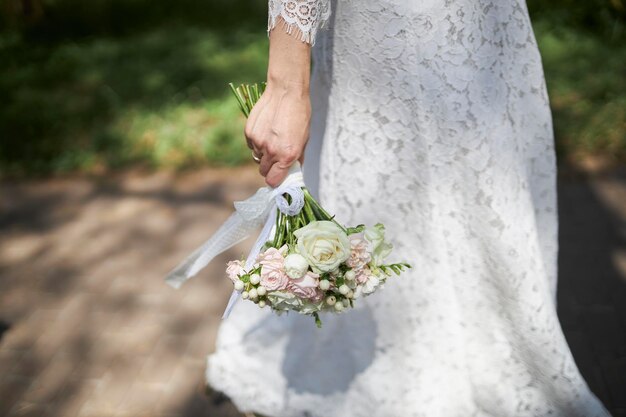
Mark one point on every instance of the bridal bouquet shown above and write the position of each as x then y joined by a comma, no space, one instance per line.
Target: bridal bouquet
303,260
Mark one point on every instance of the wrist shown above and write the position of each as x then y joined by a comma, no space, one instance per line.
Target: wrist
282,83
289,63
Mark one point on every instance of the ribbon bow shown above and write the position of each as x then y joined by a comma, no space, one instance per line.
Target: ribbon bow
249,215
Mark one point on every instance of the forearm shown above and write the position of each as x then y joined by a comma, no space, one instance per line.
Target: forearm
277,128
289,61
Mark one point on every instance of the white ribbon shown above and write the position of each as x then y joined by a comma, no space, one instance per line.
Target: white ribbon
249,215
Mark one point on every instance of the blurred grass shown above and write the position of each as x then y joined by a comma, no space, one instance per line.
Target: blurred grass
583,45
587,84
92,86
150,94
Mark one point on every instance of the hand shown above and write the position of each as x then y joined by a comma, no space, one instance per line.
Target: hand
278,128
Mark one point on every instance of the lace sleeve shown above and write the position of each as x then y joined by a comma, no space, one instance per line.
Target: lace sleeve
303,16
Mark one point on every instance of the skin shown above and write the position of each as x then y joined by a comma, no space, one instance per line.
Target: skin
278,126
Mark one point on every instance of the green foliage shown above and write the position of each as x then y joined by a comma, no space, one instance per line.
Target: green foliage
604,18
318,321
587,88
396,268
356,229
99,84
155,96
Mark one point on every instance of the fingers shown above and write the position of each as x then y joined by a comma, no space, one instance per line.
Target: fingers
277,174
254,124
277,132
250,138
267,161
275,165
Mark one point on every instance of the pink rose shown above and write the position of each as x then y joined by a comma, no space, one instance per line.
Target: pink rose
359,255
306,287
234,269
273,275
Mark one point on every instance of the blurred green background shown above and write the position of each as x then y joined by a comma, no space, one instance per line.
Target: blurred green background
90,86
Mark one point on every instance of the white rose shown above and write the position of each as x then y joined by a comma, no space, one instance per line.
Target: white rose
308,307
380,248
296,266
282,300
324,245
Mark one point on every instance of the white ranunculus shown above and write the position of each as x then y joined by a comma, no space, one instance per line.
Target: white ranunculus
324,245
380,248
370,286
296,266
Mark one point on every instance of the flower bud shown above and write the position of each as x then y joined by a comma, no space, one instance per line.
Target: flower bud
261,290
350,294
255,279
245,295
253,294
349,275
324,284
339,306
296,266
344,289
262,303
239,285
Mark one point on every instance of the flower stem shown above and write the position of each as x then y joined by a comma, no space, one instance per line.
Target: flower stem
308,211
320,212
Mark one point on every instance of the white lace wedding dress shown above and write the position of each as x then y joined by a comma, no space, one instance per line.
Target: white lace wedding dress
432,117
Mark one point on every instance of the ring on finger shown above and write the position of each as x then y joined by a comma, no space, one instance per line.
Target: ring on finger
257,159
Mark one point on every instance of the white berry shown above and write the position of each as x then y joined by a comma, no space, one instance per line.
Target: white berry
324,284
255,279
339,306
253,294
346,303
261,291
239,285
331,300
245,295
344,289
261,303
350,294
349,275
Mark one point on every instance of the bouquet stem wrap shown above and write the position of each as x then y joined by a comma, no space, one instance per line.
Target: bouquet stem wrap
250,214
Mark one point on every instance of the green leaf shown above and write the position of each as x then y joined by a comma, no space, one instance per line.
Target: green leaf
318,321
355,229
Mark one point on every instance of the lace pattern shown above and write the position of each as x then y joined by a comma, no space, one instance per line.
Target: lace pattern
304,17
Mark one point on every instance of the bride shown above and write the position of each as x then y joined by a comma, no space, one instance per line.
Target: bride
432,117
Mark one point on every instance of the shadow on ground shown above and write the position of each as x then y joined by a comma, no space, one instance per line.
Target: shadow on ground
90,329
592,282
93,329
